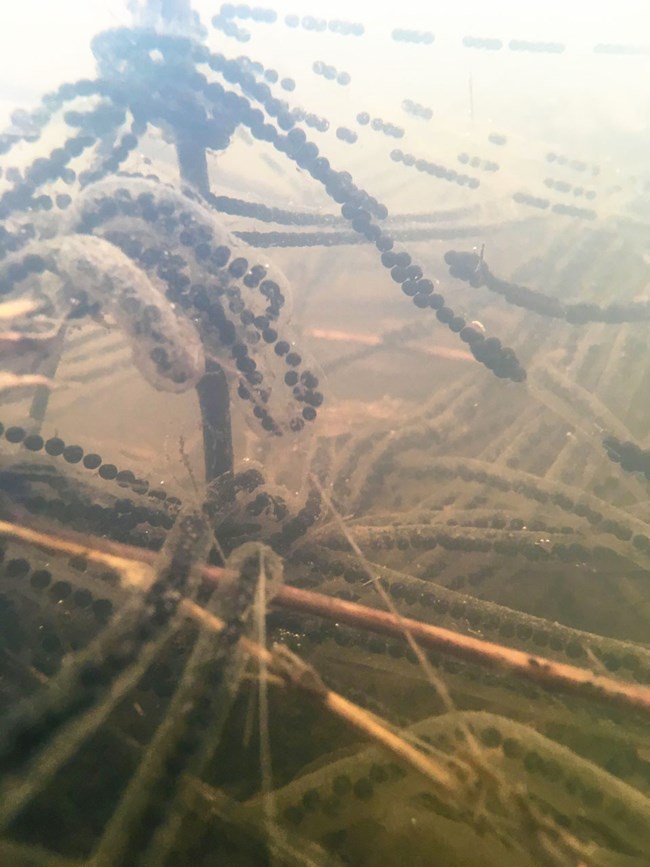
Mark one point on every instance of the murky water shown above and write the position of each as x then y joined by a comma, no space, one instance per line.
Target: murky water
324,329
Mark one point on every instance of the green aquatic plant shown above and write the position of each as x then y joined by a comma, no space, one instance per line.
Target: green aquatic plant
192,674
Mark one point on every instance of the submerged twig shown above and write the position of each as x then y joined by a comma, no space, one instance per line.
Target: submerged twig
548,673
133,571
296,673
9,381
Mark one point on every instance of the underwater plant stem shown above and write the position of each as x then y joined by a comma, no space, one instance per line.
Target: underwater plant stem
134,567
359,719
134,571
373,728
214,401
266,766
193,164
41,397
546,672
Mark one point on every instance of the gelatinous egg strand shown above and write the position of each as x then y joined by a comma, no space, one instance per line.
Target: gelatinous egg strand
165,345
240,307
472,269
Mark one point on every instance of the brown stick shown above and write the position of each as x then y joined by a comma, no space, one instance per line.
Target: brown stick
546,672
308,681
134,571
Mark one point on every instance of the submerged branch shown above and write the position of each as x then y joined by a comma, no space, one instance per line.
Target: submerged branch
545,672
296,673
134,565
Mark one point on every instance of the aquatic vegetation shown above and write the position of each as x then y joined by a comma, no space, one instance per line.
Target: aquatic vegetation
191,672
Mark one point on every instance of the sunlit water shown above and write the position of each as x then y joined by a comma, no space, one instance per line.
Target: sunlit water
487,504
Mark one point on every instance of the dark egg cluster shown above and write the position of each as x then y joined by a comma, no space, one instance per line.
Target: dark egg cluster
542,204
485,43
490,43
346,135
331,73
320,25
379,125
415,37
574,164
618,48
74,454
40,644
434,169
238,307
629,455
471,268
417,109
213,110
564,187
320,124
246,12
462,507
477,163
229,12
